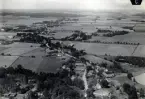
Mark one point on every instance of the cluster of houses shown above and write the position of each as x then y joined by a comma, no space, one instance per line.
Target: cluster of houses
99,91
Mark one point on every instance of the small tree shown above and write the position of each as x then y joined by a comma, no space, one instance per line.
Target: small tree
126,87
129,75
78,83
104,84
2,54
90,92
142,93
113,97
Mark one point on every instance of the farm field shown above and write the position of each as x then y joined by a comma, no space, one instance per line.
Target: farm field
24,20
49,64
95,59
21,45
110,49
40,62
28,62
60,35
122,78
7,60
133,37
2,48
16,50
140,51
36,52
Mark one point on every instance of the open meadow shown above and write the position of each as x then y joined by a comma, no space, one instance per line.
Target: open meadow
109,49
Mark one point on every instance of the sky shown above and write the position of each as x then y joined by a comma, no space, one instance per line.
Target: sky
70,4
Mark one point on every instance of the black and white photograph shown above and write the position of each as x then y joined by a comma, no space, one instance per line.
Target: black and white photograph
72,49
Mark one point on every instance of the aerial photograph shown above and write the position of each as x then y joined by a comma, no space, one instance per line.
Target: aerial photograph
72,49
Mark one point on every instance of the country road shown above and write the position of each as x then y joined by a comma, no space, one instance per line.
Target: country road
85,82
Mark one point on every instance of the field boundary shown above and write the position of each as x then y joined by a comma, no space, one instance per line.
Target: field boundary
21,55
134,50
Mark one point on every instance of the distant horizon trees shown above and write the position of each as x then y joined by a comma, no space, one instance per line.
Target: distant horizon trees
78,36
114,33
129,75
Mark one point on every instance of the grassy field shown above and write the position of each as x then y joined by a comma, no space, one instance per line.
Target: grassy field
133,37
2,48
140,51
40,62
21,45
28,62
15,49
49,64
7,60
18,48
60,35
122,78
52,63
110,49
98,60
